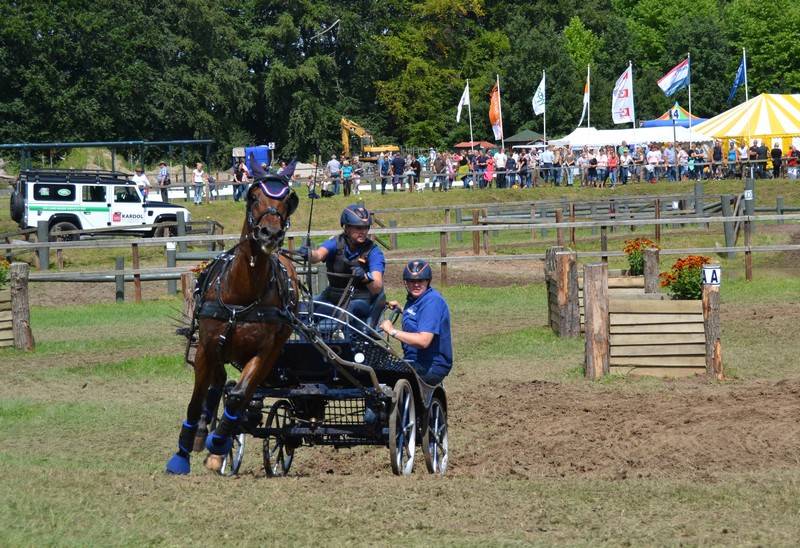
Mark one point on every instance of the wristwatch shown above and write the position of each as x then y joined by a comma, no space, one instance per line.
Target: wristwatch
393,333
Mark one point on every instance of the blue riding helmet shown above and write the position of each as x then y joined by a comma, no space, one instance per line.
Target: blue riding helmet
355,215
417,270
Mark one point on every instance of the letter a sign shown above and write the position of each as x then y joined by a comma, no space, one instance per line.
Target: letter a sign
712,275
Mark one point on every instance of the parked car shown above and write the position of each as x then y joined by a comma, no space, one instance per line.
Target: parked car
83,200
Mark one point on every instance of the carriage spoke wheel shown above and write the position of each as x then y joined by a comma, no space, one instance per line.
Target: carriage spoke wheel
278,455
434,441
402,429
233,460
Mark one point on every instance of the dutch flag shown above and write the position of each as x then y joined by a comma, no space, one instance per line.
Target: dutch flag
675,79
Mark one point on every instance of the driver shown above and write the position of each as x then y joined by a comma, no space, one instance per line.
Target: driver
426,325
352,254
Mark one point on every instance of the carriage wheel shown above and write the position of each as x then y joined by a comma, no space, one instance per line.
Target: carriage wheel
233,460
402,429
434,440
278,454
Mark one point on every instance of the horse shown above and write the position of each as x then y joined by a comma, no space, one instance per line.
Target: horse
244,304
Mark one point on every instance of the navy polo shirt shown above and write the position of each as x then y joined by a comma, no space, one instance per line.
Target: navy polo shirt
429,313
375,260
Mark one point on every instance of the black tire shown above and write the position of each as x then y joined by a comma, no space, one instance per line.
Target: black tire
434,440
278,454
402,429
17,206
165,231
63,226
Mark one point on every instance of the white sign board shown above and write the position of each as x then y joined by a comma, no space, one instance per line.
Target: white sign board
676,114
271,146
748,194
675,204
238,152
712,274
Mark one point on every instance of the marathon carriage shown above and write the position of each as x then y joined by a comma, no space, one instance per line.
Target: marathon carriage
338,382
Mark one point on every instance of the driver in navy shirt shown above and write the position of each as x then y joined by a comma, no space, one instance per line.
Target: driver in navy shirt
352,255
425,335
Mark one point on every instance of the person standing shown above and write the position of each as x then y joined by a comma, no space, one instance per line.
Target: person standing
240,176
625,163
334,170
398,169
414,176
500,163
163,181
776,154
199,179
347,177
546,162
439,169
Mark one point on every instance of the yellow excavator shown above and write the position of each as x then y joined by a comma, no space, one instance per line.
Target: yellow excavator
369,152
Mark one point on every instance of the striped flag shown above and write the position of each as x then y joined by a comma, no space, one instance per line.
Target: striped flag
677,78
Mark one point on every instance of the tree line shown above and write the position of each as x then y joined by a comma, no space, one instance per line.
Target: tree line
252,71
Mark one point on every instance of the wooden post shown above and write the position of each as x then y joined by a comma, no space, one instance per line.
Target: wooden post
290,243
187,290
533,220
180,220
658,217
593,213
459,220
604,242
119,279
612,212
572,220
476,236
172,286
779,208
559,230
728,226
748,255
651,280
447,218
698,199
551,283
750,205
543,215
711,324
595,305
59,256
393,237
43,235
20,307
137,278
566,275
487,244
443,254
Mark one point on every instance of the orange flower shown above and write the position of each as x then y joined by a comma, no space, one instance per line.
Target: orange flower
200,267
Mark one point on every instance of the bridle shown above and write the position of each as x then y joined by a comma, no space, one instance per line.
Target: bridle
254,228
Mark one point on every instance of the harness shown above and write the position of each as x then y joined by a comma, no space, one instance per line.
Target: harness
340,273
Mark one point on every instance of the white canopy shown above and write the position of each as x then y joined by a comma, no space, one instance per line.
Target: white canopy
592,137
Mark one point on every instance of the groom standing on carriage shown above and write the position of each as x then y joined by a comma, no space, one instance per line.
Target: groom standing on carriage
355,266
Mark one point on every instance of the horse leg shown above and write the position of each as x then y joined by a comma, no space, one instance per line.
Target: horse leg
179,462
257,369
210,406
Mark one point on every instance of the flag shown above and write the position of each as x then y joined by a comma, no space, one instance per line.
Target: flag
463,102
585,97
494,113
678,77
539,98
622,98
738,81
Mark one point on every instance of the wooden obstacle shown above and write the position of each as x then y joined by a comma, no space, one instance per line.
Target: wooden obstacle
561,279
619,286
15,316
6,325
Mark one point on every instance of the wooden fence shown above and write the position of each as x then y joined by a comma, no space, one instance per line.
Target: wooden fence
15,317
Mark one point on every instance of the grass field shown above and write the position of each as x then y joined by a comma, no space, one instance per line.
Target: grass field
539,456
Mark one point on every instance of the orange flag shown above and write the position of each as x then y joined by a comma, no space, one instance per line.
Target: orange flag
494,113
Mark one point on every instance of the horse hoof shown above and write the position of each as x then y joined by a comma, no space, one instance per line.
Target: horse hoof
178,464
218,445
200,439
213,463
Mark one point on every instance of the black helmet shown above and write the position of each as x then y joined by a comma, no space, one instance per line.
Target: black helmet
355,215
417,270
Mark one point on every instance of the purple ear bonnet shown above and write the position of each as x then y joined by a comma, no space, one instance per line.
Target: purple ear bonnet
274,188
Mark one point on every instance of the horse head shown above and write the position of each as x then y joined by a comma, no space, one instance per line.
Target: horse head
270,203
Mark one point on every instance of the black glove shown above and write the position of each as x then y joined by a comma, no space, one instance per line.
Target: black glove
305,252
359,273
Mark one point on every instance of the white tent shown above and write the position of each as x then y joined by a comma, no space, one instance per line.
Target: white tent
592,137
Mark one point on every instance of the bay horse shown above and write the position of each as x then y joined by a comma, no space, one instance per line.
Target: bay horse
244,302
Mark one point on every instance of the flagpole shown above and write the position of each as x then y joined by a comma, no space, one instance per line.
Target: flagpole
633,97
689,58
469,108
744,59
589,103
500,108
545,108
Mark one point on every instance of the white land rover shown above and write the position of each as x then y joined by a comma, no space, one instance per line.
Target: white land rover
79,199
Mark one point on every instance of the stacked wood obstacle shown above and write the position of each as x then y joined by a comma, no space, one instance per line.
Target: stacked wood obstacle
15,320
641,335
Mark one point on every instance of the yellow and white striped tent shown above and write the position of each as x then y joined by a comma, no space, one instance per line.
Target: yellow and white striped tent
767,117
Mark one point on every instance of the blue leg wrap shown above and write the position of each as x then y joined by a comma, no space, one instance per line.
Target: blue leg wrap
179,462
220,441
